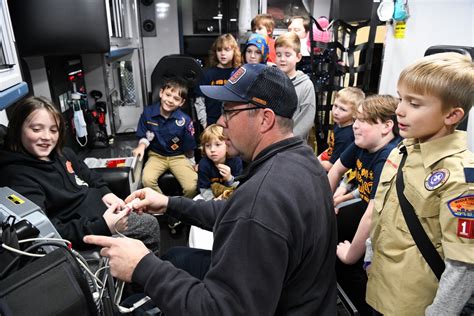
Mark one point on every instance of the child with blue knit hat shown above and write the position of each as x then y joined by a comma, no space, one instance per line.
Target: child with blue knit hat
256,49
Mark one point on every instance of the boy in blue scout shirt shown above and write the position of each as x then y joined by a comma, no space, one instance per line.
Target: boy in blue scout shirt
436,93
168,132
375,135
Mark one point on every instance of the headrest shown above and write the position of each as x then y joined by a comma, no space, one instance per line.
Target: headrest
172,66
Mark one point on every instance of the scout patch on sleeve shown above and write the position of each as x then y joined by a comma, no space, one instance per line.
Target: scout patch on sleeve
462,206
466,228
469,174
150,135
436,179
180,122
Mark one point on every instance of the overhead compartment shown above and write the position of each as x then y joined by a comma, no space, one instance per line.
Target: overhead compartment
60,27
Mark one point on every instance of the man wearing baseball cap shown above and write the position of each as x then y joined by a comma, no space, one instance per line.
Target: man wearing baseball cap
274,238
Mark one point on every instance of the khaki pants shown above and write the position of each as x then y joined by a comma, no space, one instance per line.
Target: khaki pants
179,166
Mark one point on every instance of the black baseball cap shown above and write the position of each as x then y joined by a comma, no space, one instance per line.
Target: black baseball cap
261,85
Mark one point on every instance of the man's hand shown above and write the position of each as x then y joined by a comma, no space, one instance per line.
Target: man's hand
124,254
148,201
224,170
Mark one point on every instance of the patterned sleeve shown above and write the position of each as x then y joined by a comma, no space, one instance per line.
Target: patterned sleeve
456,215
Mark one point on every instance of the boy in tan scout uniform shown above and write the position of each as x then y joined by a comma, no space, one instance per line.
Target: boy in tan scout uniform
436,93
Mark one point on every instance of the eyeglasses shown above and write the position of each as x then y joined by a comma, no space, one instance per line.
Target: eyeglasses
227,113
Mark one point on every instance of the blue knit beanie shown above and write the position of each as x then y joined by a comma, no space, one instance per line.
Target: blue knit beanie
261,43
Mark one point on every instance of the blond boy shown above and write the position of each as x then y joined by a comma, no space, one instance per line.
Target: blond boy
346,102
287,47
436,93
216,166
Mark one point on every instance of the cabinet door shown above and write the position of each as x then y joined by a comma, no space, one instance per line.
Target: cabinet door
10,74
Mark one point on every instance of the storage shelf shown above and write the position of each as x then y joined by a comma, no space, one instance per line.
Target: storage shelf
13,94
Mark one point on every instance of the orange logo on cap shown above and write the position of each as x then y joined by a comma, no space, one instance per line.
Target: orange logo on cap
237,75
259,101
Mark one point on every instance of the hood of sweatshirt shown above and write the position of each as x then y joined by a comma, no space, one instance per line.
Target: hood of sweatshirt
10,159
300,77
18,168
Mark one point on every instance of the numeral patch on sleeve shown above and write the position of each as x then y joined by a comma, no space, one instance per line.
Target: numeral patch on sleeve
466,228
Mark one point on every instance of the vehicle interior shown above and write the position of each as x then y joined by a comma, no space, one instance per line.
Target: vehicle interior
106,60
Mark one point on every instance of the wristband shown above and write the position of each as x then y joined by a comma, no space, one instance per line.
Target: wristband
145,142
192,161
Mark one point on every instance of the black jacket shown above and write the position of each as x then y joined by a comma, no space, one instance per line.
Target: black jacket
274,244
65,188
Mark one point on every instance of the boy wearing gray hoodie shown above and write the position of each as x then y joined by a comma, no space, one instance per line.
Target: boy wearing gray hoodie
287,47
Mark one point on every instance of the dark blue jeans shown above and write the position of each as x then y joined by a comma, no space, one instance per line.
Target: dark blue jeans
194,261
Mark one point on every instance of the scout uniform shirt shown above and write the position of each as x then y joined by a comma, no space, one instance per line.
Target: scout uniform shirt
170,136
439,183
